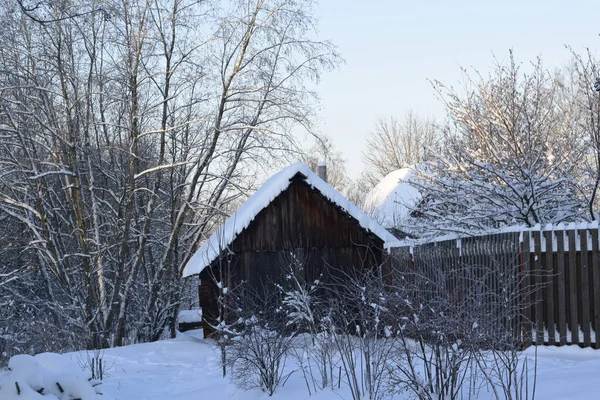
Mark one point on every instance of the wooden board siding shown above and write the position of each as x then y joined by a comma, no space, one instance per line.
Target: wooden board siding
595,265
301,223
559,278
208,292
300,217
561,288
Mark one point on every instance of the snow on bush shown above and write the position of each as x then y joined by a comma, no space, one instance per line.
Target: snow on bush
46,376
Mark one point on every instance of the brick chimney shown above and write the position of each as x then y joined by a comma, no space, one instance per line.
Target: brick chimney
322,170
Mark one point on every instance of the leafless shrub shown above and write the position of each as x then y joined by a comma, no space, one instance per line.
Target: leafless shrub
258,354
309,315
431,338
463,324
362,327
499,339
508,373
93,361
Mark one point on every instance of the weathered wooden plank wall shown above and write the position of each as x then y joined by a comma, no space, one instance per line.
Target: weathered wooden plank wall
558,278
300,222
459,270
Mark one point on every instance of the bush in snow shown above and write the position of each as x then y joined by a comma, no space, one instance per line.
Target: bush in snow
459,329
509,155
258,354
45,376
92,361
258,357
362,324
307,314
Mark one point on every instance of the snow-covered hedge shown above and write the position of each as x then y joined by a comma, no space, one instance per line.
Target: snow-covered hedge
46,376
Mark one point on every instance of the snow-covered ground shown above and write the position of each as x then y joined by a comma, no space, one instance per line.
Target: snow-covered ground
188,368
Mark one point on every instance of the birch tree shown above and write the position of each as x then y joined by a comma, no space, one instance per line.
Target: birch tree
126,129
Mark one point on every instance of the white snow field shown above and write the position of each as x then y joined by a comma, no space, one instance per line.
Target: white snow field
187,368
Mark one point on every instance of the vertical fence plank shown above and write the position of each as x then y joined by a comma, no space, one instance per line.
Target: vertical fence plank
492,270
481,281
573,288
443,267
539,288
585,289
549,289
526,315
561,281
511,254
512,281
452,255
508,254
495,270
596,285
453,261
559,294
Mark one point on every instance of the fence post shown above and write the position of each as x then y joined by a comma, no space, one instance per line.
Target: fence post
539,288
549,287
573,288
525,261
561,283
585,289
596,284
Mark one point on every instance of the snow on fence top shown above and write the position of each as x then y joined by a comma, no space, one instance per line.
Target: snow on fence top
391,201
226,234
576,227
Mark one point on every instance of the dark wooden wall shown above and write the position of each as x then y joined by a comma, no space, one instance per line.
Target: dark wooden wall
300,217
565,265
302,222
555,277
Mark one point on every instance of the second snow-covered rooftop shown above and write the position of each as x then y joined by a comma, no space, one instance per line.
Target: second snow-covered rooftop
392,200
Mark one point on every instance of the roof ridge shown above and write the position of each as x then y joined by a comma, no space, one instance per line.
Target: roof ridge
273,187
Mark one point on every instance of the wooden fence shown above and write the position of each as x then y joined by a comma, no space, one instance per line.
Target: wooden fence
550,276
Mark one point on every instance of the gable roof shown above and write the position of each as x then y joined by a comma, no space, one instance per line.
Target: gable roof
391,201
229,231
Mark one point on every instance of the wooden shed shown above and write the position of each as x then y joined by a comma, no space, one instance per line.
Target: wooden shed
295,213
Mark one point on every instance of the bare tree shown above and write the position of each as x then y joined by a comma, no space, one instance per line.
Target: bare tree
510,154
395,144
125,134
585,84
324,151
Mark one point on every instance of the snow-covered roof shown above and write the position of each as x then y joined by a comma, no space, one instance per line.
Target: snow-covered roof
391,201
189,316
279,182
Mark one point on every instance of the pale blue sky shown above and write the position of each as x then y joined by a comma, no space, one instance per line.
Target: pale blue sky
392,47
